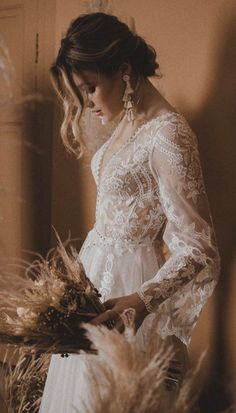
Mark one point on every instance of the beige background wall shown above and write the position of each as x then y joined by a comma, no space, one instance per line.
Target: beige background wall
194,40
195,44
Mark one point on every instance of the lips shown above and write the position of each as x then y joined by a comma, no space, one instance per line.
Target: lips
97,112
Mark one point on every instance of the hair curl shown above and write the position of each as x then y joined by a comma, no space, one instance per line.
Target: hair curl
101,43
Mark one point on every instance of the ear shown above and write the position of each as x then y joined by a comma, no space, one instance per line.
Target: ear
125,69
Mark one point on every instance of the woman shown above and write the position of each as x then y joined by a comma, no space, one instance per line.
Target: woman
149,188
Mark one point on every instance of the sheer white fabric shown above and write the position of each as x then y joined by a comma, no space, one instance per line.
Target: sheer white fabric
152,187
155,181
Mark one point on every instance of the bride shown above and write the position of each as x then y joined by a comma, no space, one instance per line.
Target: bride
149,188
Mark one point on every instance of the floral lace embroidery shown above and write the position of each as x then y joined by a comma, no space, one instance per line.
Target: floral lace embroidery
156,180
107,277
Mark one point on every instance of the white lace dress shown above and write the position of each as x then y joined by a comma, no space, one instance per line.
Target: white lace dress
151,188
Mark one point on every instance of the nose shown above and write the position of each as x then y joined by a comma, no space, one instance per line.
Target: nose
90,104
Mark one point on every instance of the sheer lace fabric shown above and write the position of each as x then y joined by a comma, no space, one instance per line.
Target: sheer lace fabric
152,187
155,182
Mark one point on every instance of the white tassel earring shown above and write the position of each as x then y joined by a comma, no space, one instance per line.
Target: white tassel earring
127,99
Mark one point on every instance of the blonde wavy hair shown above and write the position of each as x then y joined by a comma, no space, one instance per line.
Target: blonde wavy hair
100,43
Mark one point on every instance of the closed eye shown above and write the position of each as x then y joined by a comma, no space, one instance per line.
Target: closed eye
90,89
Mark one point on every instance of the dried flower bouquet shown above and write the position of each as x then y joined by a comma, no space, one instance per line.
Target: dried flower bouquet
135,381
24,382
45,308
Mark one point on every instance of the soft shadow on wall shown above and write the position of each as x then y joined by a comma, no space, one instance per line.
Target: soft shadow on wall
36,175
215,126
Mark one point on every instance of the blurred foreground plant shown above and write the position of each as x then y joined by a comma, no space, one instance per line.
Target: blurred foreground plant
43,310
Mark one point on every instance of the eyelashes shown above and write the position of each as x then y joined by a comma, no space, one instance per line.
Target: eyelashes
86,90
89,89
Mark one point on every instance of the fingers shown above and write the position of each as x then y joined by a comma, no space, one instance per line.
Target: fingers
119,325
109,304
111,318
106,316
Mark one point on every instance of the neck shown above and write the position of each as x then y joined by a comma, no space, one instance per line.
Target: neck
147,102
146,97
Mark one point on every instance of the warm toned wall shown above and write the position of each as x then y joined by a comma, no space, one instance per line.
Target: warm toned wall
25,126
197,57
73,188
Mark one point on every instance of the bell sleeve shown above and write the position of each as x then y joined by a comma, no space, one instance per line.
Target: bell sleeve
182,285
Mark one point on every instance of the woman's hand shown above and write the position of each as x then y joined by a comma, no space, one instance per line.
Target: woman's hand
115,307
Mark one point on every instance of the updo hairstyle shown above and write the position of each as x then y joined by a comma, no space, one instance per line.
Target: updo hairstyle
101,43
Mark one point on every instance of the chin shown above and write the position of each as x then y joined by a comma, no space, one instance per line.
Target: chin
104,120
108,118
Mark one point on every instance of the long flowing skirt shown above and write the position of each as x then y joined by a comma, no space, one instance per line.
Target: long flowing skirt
115,271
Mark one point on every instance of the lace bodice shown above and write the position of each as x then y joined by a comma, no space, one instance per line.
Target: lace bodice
153,185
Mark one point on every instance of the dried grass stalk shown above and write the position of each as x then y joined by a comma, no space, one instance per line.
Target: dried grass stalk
125,379
24,382
45,308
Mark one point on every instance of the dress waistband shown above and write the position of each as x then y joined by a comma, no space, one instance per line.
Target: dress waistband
120,243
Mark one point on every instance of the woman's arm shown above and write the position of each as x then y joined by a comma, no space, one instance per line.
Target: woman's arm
189,233
189,275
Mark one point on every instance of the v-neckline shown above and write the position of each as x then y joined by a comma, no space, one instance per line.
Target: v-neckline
100,173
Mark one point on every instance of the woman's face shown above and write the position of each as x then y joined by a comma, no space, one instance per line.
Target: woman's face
104,93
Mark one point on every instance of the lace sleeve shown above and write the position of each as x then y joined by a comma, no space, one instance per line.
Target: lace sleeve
188,277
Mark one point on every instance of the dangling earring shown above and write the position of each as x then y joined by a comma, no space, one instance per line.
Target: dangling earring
127,99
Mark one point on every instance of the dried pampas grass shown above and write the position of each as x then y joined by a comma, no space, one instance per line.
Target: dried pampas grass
94,6
125,379
122,378
44,309
24,382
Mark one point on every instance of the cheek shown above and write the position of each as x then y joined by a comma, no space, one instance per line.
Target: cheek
113,96
106,97
109,96
101,97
